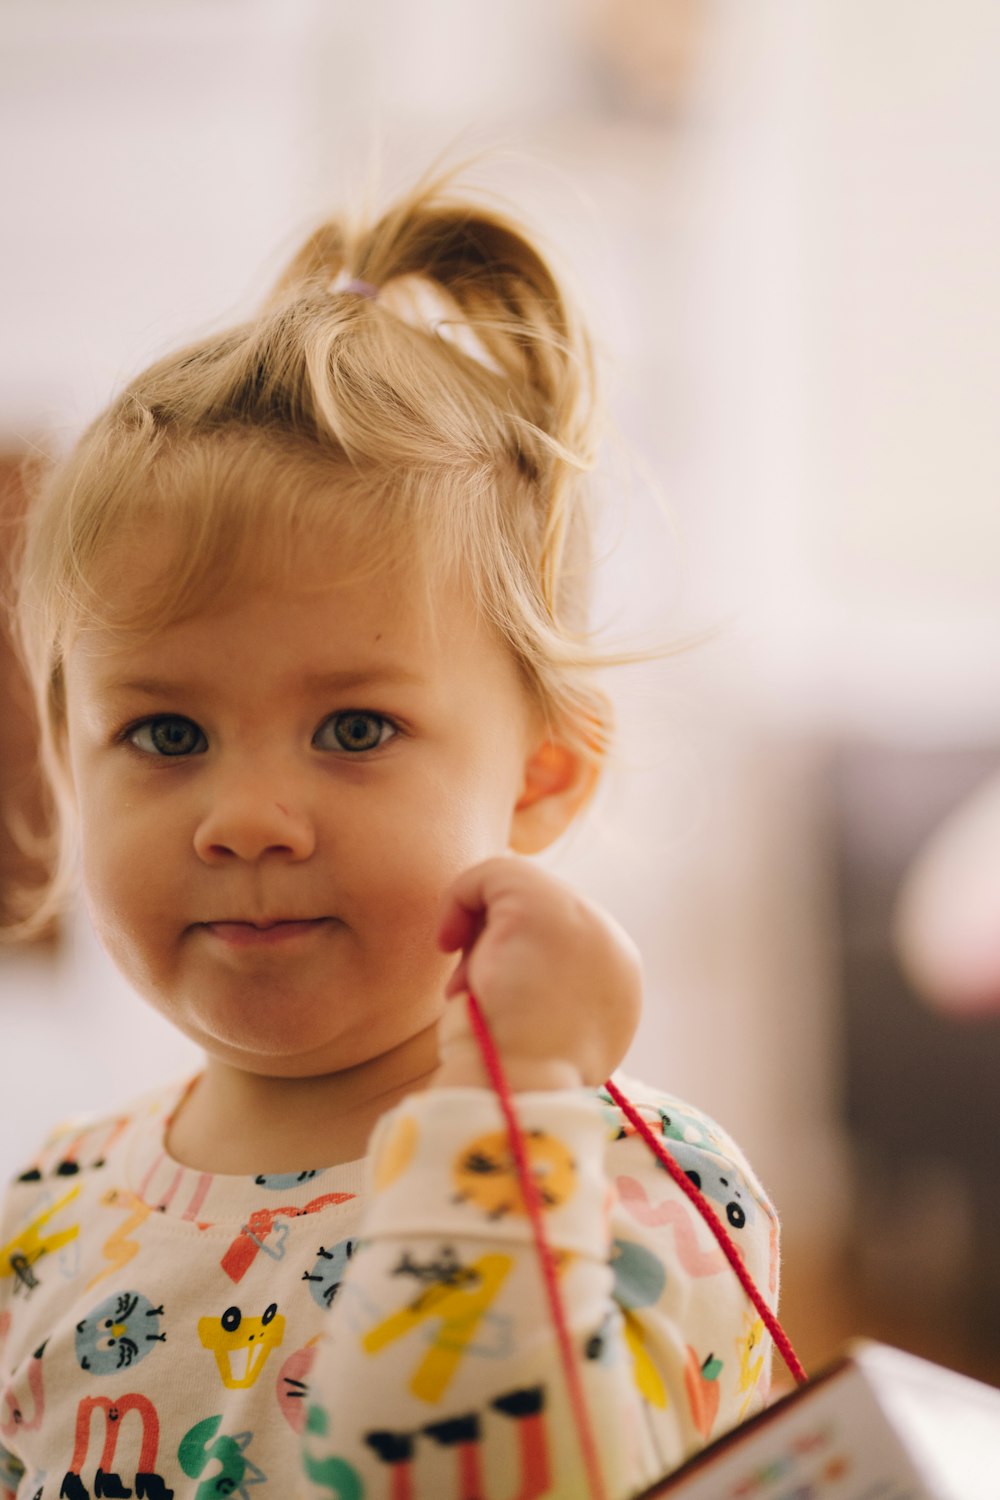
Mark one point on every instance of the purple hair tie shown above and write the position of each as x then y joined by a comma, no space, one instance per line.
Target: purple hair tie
360,289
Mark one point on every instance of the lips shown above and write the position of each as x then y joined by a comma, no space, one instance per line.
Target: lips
264,933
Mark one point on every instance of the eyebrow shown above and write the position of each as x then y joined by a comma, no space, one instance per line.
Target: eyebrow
382,675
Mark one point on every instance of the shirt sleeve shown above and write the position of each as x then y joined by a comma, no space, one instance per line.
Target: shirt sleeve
440,1373
13,1264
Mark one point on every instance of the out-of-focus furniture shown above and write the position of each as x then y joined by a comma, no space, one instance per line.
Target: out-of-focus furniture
921,1088
22,805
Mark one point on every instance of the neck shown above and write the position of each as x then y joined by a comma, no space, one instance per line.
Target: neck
243,1123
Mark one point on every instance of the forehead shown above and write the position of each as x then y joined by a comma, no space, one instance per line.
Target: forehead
335,623
207,525
219,509
188,550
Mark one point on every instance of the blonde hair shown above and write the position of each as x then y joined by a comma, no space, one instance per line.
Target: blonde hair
421,385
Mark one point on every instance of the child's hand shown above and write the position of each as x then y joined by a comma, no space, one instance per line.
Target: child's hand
557,980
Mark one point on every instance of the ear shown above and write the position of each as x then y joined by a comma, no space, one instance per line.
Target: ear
558,783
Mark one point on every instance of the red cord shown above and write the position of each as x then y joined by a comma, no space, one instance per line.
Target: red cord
533,1203
781,1340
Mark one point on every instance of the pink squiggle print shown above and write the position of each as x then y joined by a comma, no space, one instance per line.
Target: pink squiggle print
293,1385
694,1260
18,1421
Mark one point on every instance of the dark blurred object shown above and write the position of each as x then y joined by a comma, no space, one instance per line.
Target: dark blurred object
922,1100
23,821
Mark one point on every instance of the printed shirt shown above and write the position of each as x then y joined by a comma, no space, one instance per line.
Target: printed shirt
379,1329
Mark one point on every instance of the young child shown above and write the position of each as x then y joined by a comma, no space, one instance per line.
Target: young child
305,616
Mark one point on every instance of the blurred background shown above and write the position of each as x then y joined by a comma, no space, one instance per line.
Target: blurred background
784,220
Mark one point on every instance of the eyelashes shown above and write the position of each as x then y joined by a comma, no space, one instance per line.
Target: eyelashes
167,735
172,736
355,731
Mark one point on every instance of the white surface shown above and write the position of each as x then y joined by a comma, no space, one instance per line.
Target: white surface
795,284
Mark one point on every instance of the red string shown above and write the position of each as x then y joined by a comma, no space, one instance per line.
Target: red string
781,1340
533,1203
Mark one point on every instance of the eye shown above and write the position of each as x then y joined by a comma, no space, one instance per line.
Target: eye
168,735
355,730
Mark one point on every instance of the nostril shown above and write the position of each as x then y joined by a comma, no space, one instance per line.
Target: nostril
246,822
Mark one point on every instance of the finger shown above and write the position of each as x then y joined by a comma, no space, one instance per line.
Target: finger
460,927
468,901
458,984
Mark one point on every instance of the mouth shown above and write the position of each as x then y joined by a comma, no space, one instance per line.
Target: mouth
264,932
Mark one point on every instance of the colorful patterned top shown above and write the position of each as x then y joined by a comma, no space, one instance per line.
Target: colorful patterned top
377,1330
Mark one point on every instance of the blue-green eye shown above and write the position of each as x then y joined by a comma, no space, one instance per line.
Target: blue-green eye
355,731
168,735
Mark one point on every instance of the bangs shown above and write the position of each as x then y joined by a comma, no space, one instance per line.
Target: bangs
151,530
211,520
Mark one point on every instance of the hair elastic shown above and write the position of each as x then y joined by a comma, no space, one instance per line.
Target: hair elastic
359,288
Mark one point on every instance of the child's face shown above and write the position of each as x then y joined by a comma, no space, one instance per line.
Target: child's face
274,799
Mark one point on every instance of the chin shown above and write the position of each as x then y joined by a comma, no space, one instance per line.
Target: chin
284,1046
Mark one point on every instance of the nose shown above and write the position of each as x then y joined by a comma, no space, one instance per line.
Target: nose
250,819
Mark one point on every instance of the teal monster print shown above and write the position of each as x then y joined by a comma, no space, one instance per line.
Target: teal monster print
231,1472
282,1182
639,1274
339,1478
11,1470
119,1332
326,1275
640,1278
718,1180
695,1130
676,1124
697,1146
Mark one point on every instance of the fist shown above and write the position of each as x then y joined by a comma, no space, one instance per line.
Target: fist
557,980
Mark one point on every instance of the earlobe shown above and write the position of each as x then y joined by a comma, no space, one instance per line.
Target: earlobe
558,784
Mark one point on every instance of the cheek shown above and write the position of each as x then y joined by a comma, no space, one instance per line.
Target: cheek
114,890
455,821
123,864
131,912
409,864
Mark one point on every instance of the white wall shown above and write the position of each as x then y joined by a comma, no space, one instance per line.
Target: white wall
792,278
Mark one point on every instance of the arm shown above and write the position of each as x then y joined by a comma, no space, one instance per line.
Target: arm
442,1364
